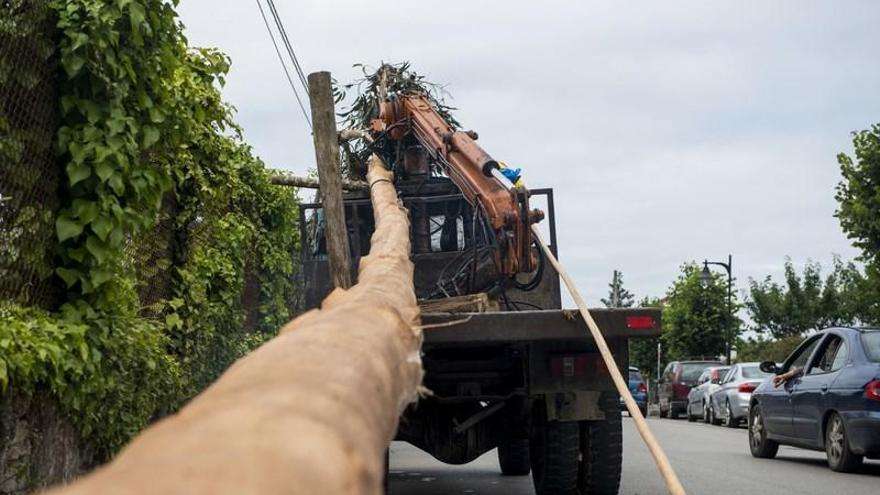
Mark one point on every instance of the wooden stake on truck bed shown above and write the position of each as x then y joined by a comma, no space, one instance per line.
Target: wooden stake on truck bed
330,178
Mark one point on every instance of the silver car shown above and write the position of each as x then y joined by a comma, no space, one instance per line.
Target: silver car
699,396
730,403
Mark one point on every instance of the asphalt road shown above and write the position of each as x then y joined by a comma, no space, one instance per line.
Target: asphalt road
708,459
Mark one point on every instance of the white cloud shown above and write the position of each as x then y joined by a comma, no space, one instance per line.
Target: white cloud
670,130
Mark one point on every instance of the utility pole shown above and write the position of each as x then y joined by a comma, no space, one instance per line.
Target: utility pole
330,178
615,290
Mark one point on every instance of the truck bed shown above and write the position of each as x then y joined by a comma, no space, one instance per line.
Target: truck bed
535,326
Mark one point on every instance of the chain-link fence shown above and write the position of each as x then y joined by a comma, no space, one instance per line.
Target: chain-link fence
29,172
31,188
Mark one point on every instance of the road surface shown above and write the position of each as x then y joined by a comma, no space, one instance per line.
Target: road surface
709,460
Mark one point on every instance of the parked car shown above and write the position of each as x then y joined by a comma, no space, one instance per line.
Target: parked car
833,405
699,396
676,383
638,389
729,404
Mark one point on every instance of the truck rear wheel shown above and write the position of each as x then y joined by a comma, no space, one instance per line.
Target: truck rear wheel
554,451
602,451
513,457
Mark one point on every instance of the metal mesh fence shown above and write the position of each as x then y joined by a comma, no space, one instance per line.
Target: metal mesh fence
31,187
29,173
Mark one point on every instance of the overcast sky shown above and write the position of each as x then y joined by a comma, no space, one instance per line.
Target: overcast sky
670,131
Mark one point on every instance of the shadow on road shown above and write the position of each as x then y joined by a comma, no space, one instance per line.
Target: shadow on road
869,468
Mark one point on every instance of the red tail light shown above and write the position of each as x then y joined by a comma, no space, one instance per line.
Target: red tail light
872,390
643,388
747,388
640,322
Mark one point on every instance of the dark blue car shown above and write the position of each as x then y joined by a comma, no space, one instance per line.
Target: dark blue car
638,390
832,403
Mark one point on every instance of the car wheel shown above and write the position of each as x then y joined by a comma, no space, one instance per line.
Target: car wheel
761,446
730,420
691,417
840,457
713,418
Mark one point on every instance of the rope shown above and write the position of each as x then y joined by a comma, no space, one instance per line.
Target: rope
663,465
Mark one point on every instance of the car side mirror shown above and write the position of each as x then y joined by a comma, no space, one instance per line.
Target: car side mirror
769,367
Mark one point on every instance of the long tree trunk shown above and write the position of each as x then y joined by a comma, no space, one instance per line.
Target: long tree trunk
311,411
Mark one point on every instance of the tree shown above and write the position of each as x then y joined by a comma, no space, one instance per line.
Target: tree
807,301
859,194
695,318
762,349
618,297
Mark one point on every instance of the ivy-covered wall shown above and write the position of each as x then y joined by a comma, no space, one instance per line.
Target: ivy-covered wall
165,249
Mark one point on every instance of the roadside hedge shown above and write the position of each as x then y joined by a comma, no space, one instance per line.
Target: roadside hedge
174,250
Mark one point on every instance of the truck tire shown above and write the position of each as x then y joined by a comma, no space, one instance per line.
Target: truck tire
554,451
601,451
513,457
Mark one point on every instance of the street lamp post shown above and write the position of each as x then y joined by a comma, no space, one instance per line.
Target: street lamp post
706,279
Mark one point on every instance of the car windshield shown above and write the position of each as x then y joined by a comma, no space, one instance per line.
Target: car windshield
871,340
691,371
753,372
635,376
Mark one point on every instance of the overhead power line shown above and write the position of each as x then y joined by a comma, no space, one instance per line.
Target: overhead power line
281,58
287,44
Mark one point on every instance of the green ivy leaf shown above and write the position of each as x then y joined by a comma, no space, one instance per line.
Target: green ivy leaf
173,321
67,227
102,225
100,276
104,170
72,64
77,172
85,211
116,184
69,276
98,249
151,136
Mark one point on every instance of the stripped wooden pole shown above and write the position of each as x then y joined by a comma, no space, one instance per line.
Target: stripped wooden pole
663,465
311,411
330,177
310,183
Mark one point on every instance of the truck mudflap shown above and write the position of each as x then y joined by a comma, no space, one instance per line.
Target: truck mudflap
537,326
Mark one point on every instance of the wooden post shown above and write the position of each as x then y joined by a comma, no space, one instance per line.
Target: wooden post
330,177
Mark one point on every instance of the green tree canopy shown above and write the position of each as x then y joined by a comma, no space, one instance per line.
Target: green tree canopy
807,301
859,193
695,318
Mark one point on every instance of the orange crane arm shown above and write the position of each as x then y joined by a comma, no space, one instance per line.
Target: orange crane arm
471,169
